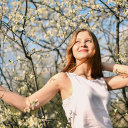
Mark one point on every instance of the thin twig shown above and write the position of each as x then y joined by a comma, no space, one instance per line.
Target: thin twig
11,39
29,57
1,14
109,8
5,79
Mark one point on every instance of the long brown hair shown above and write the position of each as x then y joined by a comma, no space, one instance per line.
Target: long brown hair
94,62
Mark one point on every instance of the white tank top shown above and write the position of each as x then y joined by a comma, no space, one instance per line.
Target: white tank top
89,105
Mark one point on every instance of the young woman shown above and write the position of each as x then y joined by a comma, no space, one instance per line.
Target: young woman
83,89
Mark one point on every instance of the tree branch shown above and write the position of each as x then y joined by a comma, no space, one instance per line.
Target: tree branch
11,39
1,14
30,58
109,8
5,79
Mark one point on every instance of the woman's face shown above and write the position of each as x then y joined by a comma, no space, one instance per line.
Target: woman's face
84,46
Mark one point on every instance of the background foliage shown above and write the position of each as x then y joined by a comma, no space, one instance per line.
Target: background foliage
34,36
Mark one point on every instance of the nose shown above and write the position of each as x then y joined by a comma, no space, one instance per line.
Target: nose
83,44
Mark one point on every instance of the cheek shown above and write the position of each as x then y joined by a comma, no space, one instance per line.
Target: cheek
92,47
93,50
73,50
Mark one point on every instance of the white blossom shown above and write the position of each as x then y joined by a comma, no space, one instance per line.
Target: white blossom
115,110
19,57
27,109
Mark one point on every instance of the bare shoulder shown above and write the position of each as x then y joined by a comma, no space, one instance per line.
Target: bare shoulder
65,85
59,77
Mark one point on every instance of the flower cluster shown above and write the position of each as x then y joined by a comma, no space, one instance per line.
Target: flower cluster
31,104
31,122
6,116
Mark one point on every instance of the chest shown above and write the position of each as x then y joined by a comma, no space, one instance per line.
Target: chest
88,94
92,90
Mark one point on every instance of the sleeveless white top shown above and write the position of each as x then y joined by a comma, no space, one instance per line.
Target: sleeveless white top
89,105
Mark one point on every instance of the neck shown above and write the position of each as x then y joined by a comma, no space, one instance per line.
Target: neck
83,69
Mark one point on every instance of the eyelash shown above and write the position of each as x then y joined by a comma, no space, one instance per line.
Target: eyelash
88,40
85,41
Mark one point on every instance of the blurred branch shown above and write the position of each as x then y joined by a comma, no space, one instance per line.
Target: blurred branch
26,55
109,8
5,79
122,115
66,37
25,17
11,39
30,58
117,37
1,13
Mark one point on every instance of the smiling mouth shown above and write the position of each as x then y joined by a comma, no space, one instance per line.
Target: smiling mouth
83,50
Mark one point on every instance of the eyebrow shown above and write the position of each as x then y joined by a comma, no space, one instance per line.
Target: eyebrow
80,38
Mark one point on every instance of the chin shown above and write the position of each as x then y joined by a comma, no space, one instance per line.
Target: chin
84,57
81,59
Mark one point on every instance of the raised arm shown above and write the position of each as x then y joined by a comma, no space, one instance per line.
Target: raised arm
115,68
116,82
43,96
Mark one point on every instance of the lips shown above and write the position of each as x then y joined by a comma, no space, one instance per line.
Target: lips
83,50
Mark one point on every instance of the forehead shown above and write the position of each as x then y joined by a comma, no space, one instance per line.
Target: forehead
83,35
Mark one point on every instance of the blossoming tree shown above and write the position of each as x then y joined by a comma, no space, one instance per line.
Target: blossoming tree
34,35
